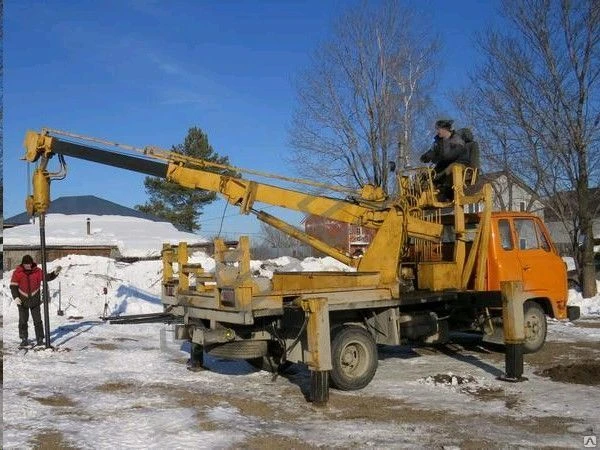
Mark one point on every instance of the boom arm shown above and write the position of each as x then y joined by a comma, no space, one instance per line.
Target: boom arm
368,207
368,210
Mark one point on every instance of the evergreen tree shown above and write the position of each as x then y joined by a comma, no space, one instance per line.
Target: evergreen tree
174,203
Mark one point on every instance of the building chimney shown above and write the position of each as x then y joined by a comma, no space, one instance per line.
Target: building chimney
88,225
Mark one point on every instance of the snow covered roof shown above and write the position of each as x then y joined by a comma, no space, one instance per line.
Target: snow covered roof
133,236
85,204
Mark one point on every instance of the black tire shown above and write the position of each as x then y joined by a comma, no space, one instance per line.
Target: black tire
238,350
536,327
353,358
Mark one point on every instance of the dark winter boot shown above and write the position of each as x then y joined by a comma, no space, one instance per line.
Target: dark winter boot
40,341
196,361
24,342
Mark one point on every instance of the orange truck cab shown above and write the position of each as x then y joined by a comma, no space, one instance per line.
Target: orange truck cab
521,249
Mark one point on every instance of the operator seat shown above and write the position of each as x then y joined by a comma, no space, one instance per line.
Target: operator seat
471,171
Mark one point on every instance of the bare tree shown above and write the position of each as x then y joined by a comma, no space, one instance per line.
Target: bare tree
272,237
364,96
536,102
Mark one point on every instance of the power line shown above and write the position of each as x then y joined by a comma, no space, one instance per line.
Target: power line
222,217
202,220
202,230
231,215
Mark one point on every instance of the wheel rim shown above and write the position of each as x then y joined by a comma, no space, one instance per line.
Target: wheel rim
533,328
354,359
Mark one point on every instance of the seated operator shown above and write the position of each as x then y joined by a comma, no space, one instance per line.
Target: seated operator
448,149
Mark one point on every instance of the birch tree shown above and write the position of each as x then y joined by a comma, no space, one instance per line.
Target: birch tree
362,101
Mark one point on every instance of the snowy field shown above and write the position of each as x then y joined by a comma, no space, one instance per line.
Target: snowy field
126,386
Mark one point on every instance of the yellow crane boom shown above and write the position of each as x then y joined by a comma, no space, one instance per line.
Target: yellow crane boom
367,207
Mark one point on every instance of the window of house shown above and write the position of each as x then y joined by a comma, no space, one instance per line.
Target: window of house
522,206
473,208
526,234
505,235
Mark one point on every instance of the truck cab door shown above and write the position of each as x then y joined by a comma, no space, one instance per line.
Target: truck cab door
503,259
543,270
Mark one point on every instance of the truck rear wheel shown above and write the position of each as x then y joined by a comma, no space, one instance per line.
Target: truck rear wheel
238,349
272,362
535,327
353,358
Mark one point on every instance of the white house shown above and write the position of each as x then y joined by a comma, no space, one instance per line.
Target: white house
92,226
512,194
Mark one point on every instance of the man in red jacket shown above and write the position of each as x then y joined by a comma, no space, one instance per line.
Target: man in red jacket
25,289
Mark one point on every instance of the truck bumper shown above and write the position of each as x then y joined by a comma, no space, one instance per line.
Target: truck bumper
573,312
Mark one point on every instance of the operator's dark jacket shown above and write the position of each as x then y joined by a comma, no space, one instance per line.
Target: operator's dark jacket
25,284
444,152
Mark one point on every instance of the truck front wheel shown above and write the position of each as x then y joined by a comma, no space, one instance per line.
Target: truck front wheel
535,327
353,358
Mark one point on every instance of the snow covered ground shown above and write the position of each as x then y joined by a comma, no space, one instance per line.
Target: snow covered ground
126,386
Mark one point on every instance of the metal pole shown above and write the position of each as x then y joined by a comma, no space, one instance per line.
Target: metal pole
514,330
319,387
45,281
319,348
60,312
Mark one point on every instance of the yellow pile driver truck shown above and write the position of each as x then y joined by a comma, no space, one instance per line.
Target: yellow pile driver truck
430,269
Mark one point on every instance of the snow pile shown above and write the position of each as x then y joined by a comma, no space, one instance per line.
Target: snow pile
587,306
289,264
133,236
447,379
208,263
132,288
570,262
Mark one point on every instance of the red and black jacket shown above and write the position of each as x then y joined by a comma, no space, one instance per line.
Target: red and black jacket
25,284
